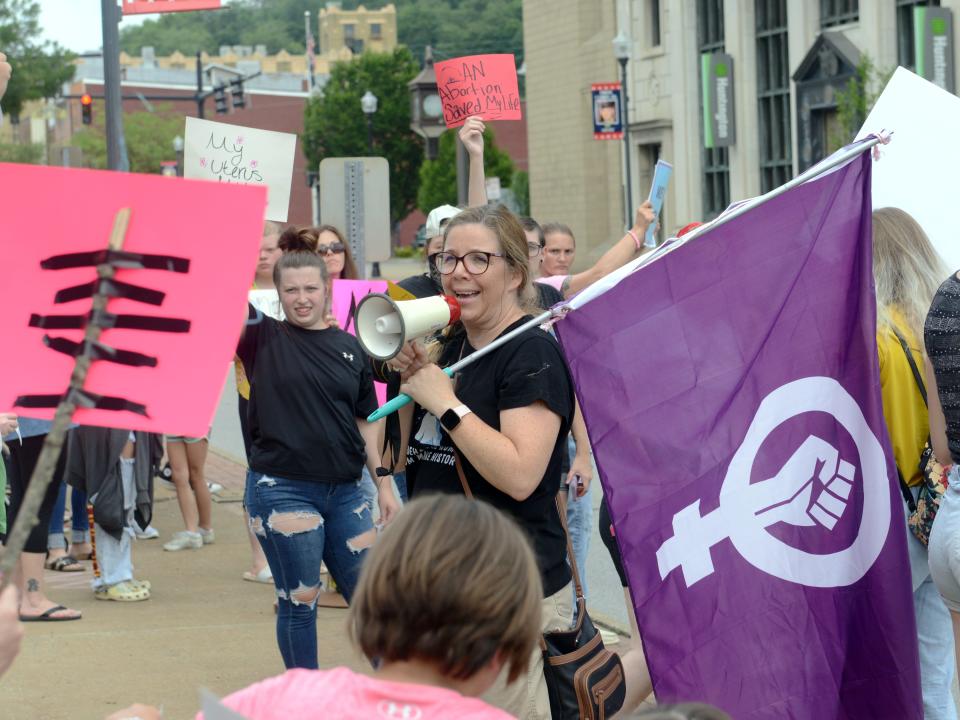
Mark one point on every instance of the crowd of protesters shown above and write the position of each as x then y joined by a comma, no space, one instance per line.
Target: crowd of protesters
450,601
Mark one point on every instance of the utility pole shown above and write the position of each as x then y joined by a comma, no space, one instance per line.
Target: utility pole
116,147
200,96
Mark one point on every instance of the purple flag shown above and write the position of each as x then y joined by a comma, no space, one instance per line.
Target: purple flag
732,393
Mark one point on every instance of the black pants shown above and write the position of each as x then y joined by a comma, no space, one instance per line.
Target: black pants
610,541
23,460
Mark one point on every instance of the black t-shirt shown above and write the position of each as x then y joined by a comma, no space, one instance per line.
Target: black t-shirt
307,389
527,369
421,286
547,295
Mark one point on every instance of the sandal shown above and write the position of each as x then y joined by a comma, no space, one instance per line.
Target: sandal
123,592
48,616
64,563
264,576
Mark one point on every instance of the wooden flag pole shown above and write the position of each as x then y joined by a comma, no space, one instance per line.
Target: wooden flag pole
53,444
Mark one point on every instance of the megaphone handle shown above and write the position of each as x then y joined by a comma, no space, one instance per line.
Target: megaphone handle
391,406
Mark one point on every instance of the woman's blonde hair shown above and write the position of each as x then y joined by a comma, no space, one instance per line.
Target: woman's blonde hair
453,583
906,269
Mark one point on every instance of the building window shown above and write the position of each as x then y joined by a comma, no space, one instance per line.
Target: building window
715,161
376,31
905,40
773,94
838,12
178,66
653,22
284,66
349,32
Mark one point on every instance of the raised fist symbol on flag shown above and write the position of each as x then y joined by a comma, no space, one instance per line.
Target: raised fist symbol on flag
794,494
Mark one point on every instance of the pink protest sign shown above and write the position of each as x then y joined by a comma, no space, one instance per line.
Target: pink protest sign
346,295
484,85
139,7
177,301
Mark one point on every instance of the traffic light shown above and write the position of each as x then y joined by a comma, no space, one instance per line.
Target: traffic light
220,99
86,104
236,91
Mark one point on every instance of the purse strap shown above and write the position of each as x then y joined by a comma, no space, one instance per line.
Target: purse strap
561,504
907,495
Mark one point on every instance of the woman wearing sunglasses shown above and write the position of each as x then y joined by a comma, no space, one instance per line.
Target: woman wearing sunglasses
336,253
503,420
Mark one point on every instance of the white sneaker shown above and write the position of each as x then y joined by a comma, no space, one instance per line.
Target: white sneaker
149,533
214,487
184,540
208,536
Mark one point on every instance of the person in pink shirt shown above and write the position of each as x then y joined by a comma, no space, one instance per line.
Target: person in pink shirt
448,597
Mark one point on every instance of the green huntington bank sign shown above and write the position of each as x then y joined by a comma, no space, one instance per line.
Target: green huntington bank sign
933,45
716,74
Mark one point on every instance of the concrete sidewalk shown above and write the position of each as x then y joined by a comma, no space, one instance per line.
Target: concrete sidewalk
203,626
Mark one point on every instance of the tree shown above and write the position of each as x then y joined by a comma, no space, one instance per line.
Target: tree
27,154
39,68
856,100
438,178
452,27
335,126
149,138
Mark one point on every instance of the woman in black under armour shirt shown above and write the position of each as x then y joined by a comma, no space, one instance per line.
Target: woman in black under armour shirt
310,390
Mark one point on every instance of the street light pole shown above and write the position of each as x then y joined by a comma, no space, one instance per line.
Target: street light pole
368,103
621,50
116,148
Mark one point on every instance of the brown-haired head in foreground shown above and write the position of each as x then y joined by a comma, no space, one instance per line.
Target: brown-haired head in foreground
299,247
684,711
349,271
452,582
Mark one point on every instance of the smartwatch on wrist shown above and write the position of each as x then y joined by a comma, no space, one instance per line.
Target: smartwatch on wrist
452,417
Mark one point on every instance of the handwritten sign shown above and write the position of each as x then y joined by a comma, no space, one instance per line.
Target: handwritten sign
139,7
172,343
484,85
237,154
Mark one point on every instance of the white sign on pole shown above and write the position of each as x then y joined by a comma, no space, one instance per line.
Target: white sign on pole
917,171
355,197
237,154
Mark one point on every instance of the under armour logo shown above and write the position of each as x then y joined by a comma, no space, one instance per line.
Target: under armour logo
348,356
394,710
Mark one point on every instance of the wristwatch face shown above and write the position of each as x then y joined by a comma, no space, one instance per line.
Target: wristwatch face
449,419
432,107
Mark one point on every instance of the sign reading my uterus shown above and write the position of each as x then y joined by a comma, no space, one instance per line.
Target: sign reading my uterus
237,154
812,489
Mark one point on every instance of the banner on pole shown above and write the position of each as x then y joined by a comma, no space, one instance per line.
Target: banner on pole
177,302
248,156
607,111
747,466
141,7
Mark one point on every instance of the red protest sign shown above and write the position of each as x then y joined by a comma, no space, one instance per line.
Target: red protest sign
140,7
484,85
176,313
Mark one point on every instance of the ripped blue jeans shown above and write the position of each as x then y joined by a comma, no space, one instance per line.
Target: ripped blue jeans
299,523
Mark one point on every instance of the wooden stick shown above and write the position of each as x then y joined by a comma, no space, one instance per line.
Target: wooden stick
53,444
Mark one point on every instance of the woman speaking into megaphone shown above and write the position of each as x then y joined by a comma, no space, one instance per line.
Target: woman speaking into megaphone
501,421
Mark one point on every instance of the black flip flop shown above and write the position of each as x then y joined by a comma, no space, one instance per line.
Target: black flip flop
48,616
64,563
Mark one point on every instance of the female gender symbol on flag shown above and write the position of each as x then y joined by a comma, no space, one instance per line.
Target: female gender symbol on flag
792,496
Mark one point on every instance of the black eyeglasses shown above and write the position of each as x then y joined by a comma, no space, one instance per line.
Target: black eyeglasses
331,248
475,263
533,249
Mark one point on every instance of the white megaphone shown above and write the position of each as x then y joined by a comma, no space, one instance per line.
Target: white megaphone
385,325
